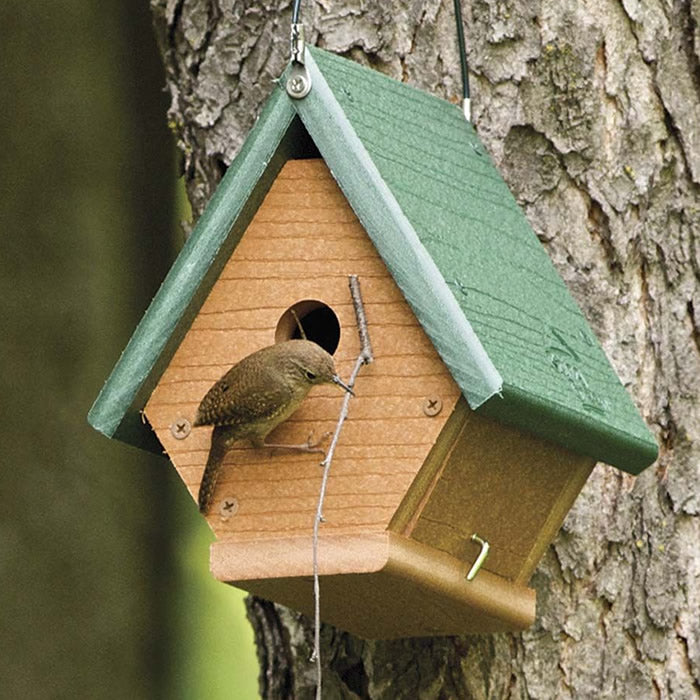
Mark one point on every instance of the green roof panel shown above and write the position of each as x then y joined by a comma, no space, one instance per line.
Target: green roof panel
557,381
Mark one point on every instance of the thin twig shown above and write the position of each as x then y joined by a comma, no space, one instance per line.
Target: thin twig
356,294
365,357
302,333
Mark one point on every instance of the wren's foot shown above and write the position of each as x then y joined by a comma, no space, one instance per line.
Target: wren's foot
307,446
315,444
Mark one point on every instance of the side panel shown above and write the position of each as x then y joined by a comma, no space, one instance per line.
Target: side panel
510,488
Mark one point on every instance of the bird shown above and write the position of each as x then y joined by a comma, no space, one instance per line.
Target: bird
257,394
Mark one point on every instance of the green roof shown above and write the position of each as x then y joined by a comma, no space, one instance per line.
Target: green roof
452,236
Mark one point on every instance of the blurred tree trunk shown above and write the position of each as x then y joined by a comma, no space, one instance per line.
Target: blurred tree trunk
591,112
85,238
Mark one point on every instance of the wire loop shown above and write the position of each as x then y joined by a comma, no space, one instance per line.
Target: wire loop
460,44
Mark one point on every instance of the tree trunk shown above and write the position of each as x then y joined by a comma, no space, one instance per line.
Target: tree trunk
590,111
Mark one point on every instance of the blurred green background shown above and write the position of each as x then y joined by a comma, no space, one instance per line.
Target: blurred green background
104,584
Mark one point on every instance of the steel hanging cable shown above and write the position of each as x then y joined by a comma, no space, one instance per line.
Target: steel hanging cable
462,53
295,11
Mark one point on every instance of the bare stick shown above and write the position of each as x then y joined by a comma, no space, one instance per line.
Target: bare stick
365,357
299,326
356,294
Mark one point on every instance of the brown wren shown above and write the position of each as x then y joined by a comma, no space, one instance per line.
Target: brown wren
255,396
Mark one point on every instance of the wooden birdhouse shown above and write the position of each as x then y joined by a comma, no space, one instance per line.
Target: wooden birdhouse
487,405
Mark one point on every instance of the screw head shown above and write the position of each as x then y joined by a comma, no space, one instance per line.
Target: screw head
432,405
228,508
297,85
180,428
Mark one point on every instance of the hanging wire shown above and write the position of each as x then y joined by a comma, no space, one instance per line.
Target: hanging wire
301,82
460,44
462,60
295,11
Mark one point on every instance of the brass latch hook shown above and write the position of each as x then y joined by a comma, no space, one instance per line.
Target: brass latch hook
481,558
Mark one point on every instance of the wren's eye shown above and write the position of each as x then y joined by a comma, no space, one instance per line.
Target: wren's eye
310,375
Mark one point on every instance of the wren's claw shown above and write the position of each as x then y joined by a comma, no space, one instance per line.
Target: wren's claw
309,446
314,446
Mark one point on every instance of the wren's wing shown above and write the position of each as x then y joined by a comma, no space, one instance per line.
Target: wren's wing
249,393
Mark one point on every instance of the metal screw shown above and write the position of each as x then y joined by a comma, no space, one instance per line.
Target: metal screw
181,428
432,406
228,508
297,84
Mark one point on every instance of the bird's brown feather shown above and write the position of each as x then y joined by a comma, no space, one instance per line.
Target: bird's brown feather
255,396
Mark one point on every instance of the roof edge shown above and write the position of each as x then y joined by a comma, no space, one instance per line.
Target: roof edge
115,412
578,433
392,234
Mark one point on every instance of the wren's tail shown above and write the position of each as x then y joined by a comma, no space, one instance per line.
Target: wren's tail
211,471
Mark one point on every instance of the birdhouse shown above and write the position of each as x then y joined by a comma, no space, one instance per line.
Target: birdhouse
487,405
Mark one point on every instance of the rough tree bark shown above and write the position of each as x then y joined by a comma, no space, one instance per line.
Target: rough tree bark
591,111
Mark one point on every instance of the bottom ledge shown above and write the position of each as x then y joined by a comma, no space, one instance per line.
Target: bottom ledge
376,586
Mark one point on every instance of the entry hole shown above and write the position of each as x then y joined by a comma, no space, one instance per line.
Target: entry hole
318,320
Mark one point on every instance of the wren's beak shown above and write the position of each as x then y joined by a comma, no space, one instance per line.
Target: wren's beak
337,380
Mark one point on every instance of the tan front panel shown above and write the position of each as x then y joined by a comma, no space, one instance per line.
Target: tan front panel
303,243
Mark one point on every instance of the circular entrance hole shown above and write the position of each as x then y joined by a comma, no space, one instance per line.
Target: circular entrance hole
318,320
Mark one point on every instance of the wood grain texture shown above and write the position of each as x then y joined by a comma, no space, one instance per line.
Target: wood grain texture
378,586
303,243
